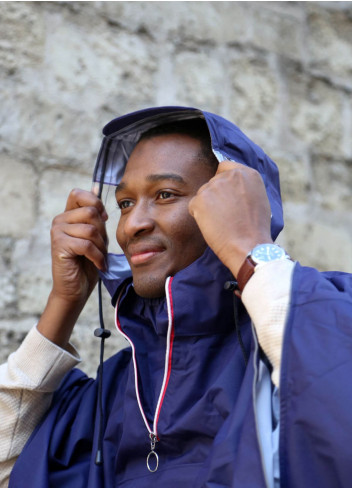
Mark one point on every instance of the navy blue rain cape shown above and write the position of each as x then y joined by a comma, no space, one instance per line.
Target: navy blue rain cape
207,421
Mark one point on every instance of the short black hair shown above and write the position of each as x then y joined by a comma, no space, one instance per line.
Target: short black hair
196,128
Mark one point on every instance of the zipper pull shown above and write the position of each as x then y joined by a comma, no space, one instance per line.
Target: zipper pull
152,453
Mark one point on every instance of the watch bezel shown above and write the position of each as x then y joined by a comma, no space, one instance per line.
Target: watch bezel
256,254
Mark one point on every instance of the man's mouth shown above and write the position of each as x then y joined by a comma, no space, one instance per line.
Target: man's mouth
141,255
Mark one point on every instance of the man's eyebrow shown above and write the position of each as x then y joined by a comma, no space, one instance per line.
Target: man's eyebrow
156,177
120,186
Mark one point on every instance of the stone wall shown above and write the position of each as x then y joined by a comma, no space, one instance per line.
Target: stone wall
281,70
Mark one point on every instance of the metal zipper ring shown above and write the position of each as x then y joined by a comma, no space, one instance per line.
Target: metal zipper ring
157,461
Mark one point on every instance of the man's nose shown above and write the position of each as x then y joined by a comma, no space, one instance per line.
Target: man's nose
139,220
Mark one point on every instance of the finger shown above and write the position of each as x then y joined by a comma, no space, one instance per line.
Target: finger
95,188
82,198
75,247
226,165
87,232
217,177
240,170
83,215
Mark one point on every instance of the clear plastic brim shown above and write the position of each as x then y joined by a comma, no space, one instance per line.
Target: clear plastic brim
109,201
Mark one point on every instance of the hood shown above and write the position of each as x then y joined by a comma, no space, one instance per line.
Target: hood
228,142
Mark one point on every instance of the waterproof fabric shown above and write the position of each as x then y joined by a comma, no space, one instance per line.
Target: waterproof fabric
207,424
315,385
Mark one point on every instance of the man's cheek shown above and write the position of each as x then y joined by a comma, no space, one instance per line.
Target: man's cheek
119,238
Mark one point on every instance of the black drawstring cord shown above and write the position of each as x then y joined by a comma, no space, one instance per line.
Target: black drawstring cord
101,333
232,285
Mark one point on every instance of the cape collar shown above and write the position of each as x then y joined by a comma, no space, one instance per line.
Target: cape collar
201,304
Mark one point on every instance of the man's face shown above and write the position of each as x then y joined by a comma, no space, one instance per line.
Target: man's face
156,232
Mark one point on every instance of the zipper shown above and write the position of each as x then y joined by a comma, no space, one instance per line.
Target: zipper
153,431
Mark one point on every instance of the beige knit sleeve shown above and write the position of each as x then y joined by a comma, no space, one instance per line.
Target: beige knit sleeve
27,383
267,299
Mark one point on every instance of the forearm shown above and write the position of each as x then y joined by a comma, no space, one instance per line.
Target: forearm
27,383
59,319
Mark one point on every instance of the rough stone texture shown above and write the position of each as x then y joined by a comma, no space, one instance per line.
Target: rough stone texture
330,41
280,70
333,189
196,75
16,48
253,92
278,30
316,115
323,243
18,195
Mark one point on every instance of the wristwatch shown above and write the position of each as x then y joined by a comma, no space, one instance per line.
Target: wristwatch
260,254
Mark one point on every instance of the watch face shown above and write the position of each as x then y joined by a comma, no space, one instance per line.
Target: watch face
267,252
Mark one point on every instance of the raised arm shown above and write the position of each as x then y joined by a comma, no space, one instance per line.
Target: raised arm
78,248
34,371
233,213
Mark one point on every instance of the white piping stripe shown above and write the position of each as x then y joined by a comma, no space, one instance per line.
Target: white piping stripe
167,358
134,364
167,354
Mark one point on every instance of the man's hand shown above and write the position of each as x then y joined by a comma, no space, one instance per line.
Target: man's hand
78,248
233,213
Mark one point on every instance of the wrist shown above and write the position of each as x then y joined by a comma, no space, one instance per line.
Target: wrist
238,253
259,256
67,303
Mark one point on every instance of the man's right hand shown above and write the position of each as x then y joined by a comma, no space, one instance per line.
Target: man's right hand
78,248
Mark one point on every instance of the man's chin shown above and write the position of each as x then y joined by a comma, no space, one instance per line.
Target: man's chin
150,288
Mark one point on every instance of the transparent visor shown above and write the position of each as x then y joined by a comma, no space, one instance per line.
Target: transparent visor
112,159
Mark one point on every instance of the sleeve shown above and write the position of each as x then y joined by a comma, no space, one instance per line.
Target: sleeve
27,383
315,384
267,299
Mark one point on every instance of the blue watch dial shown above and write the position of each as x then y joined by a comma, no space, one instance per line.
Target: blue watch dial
267,252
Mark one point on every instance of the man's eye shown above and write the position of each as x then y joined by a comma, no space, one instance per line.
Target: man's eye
124,204
165,195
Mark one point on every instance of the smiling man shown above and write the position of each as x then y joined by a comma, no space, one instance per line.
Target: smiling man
216,389
156,232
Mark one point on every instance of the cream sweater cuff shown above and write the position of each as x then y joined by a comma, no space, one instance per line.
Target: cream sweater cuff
38,364
267,298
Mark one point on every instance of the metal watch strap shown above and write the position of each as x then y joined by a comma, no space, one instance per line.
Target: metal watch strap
245,272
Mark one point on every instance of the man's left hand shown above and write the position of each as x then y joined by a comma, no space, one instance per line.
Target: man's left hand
233,213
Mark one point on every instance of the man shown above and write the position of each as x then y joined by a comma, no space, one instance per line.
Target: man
191,403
